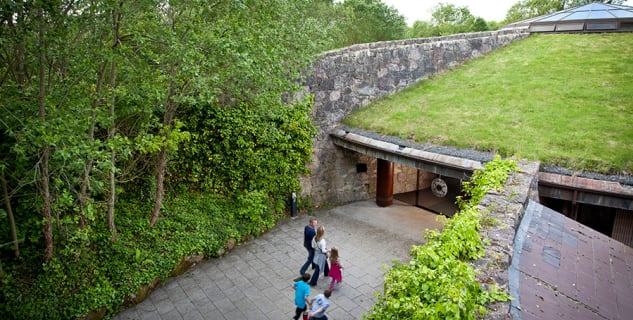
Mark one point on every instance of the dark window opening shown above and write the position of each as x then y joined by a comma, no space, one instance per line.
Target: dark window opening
602,26
626,25
595,217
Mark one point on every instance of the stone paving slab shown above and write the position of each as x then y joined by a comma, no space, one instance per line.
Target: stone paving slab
254,280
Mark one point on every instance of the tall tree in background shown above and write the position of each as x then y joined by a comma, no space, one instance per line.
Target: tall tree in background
450,19
370,21
71,48
92,92
422,29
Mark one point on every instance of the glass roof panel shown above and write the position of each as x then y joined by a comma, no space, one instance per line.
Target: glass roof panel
622,13
578,15
600,15
594,12
555,17
594,6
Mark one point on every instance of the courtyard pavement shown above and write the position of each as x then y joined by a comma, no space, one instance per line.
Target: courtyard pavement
254,280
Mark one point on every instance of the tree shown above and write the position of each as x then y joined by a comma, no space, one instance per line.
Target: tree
450,19
370,21
98,98
258,50
422,29
105,104
72,48
253,135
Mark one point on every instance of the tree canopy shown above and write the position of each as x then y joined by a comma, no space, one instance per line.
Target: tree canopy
109,104
448,19
359,21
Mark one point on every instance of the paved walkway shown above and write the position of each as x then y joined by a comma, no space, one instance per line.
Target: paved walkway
254,281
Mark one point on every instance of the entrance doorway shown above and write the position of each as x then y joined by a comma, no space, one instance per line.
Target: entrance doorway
426,199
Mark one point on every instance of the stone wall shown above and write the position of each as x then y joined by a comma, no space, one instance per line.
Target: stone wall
350,78
405,179
502,212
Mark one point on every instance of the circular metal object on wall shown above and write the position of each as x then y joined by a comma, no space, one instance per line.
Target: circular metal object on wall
439,187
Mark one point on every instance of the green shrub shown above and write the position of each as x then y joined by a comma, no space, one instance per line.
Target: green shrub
104,273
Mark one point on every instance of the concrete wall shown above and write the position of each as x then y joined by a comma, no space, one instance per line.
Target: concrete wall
350,78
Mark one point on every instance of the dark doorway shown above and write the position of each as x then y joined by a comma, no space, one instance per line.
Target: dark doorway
595,217
426,199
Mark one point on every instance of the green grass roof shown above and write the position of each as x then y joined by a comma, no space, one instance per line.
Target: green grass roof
564,99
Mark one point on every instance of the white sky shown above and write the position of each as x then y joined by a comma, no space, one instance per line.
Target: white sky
490,10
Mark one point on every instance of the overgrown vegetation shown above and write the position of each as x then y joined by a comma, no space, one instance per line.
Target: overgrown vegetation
438,282
564,99
94,274
450,19
136,133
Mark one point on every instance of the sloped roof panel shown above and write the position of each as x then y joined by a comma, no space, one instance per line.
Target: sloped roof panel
580,15
622,13
556,17
618,18
600,15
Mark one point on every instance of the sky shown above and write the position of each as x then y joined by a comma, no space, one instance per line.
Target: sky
413,10
490,10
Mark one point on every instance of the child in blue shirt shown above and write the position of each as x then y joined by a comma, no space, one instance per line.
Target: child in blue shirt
302,294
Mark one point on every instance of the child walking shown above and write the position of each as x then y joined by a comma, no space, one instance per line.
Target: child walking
336,269
302,295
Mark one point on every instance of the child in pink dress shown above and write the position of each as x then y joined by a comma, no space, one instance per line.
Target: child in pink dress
336,269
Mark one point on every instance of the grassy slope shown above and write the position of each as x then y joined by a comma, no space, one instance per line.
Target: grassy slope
564,99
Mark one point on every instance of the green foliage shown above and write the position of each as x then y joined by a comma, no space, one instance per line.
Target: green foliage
492,178
438,282
255,213
104,274
450,19
104,88
422,29
367,21
245,148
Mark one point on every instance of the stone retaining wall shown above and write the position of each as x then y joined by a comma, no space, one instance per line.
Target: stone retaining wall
350,78
502,212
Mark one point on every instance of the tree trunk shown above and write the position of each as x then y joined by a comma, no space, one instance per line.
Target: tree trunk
85,179
7,203
160,189
162,159
116,20
111,134
44,187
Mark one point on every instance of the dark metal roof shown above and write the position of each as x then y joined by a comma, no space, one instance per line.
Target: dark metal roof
562,269
593,17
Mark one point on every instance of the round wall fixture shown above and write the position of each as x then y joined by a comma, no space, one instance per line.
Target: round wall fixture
439,187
